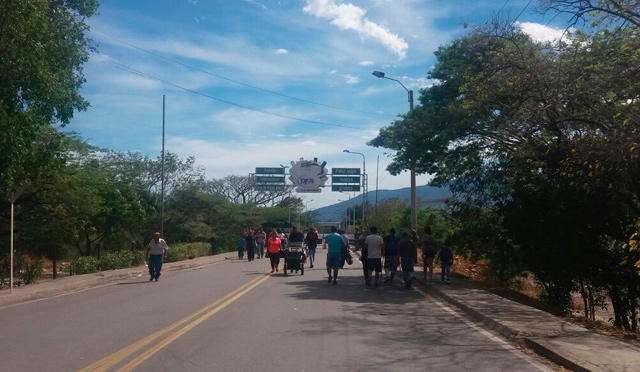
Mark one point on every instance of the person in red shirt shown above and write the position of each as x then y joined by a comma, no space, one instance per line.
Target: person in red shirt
274,244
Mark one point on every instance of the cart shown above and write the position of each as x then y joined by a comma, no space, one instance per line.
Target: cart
294,258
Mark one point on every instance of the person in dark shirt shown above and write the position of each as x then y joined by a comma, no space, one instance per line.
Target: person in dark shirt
391,242
296,236
406,252
312,243
445,256
250,244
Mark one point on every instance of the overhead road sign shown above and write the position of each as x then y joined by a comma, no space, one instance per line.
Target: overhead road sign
347,188
345,179
267,179
345,171
266,170
276,187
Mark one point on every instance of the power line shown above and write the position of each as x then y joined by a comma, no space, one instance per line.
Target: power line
235,81
151,77
503,5
525,8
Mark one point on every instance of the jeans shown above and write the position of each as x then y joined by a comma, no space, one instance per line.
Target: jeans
446,271
155,265
407,268
312,255
275,260
260,250
250,254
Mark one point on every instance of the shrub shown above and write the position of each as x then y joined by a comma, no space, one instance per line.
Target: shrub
184,251
139,258
116,260
30,269
85,265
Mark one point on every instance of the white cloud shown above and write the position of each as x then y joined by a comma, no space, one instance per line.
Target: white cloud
332,72
365,63
256,3
281,51
350,79
347,16
541,33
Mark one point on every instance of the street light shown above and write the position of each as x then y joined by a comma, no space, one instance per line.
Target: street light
414,217
364,181
305,209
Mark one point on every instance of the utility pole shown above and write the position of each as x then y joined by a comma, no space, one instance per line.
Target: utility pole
162,175
377,171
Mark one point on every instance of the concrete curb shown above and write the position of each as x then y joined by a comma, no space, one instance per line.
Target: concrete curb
538,346
504,330
102,278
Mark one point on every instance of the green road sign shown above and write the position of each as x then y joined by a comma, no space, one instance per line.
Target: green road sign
348,188
345,171
265,170
267,179
345,179
268,187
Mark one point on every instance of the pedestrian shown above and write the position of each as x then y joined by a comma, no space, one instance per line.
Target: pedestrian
363,254
274,244
312,243
283,238
344,251
296,236
334,244
261,238
445,256
390,256
250,244
240,244
157,250
374,244
414,238
428,252
407,252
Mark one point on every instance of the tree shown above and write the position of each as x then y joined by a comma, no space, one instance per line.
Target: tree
240,189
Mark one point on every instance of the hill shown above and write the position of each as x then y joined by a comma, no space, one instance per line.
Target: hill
430,196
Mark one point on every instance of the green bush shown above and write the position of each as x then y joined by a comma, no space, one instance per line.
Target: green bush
184,251
139,258
85,265
116,260
30,270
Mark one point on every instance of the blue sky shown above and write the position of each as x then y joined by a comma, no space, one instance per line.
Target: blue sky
317,50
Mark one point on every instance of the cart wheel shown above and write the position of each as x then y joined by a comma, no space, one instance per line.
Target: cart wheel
285,269
301,269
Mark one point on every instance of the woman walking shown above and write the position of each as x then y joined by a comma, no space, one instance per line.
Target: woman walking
274,244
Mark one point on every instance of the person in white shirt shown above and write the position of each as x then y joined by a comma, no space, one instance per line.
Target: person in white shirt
374,244
157,251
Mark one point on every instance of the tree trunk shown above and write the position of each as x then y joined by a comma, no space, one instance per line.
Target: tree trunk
55,268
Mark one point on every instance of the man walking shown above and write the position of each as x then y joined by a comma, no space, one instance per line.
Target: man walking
390,256
345,247
250,244
363,254
407,252
334,242
261,238
374,244
312,243
157,251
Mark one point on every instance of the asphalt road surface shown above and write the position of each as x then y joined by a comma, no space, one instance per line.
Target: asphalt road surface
233,316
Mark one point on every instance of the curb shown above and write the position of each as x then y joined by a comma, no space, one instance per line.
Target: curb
102,278
546,352
504,330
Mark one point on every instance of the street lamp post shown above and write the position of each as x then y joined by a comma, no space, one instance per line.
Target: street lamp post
414,217
305,209
364,181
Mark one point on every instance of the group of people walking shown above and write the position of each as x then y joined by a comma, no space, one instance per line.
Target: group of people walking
377,252
402,252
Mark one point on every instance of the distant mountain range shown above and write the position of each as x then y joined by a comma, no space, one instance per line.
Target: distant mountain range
430,196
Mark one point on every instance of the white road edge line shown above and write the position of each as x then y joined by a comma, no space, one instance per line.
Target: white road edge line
101,286
487,334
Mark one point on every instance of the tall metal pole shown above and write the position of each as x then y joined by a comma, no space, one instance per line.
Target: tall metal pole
162,175
377,171
414,213
364,186
11,245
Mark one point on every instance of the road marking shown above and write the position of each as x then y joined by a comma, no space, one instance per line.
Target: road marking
115,358
137,361
487,334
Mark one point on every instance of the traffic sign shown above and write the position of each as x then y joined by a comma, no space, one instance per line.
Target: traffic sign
345,171
345,179
268,187
265,170
348,188
267,179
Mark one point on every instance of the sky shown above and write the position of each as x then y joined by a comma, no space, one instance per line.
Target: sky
260,83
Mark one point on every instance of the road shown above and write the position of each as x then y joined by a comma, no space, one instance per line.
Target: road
233,316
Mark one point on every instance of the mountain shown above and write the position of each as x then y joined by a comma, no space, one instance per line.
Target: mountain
428,195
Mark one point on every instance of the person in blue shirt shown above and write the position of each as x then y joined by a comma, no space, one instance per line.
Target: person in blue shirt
241,243
334,253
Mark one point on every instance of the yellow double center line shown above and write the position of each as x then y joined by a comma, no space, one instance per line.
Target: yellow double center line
199,316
